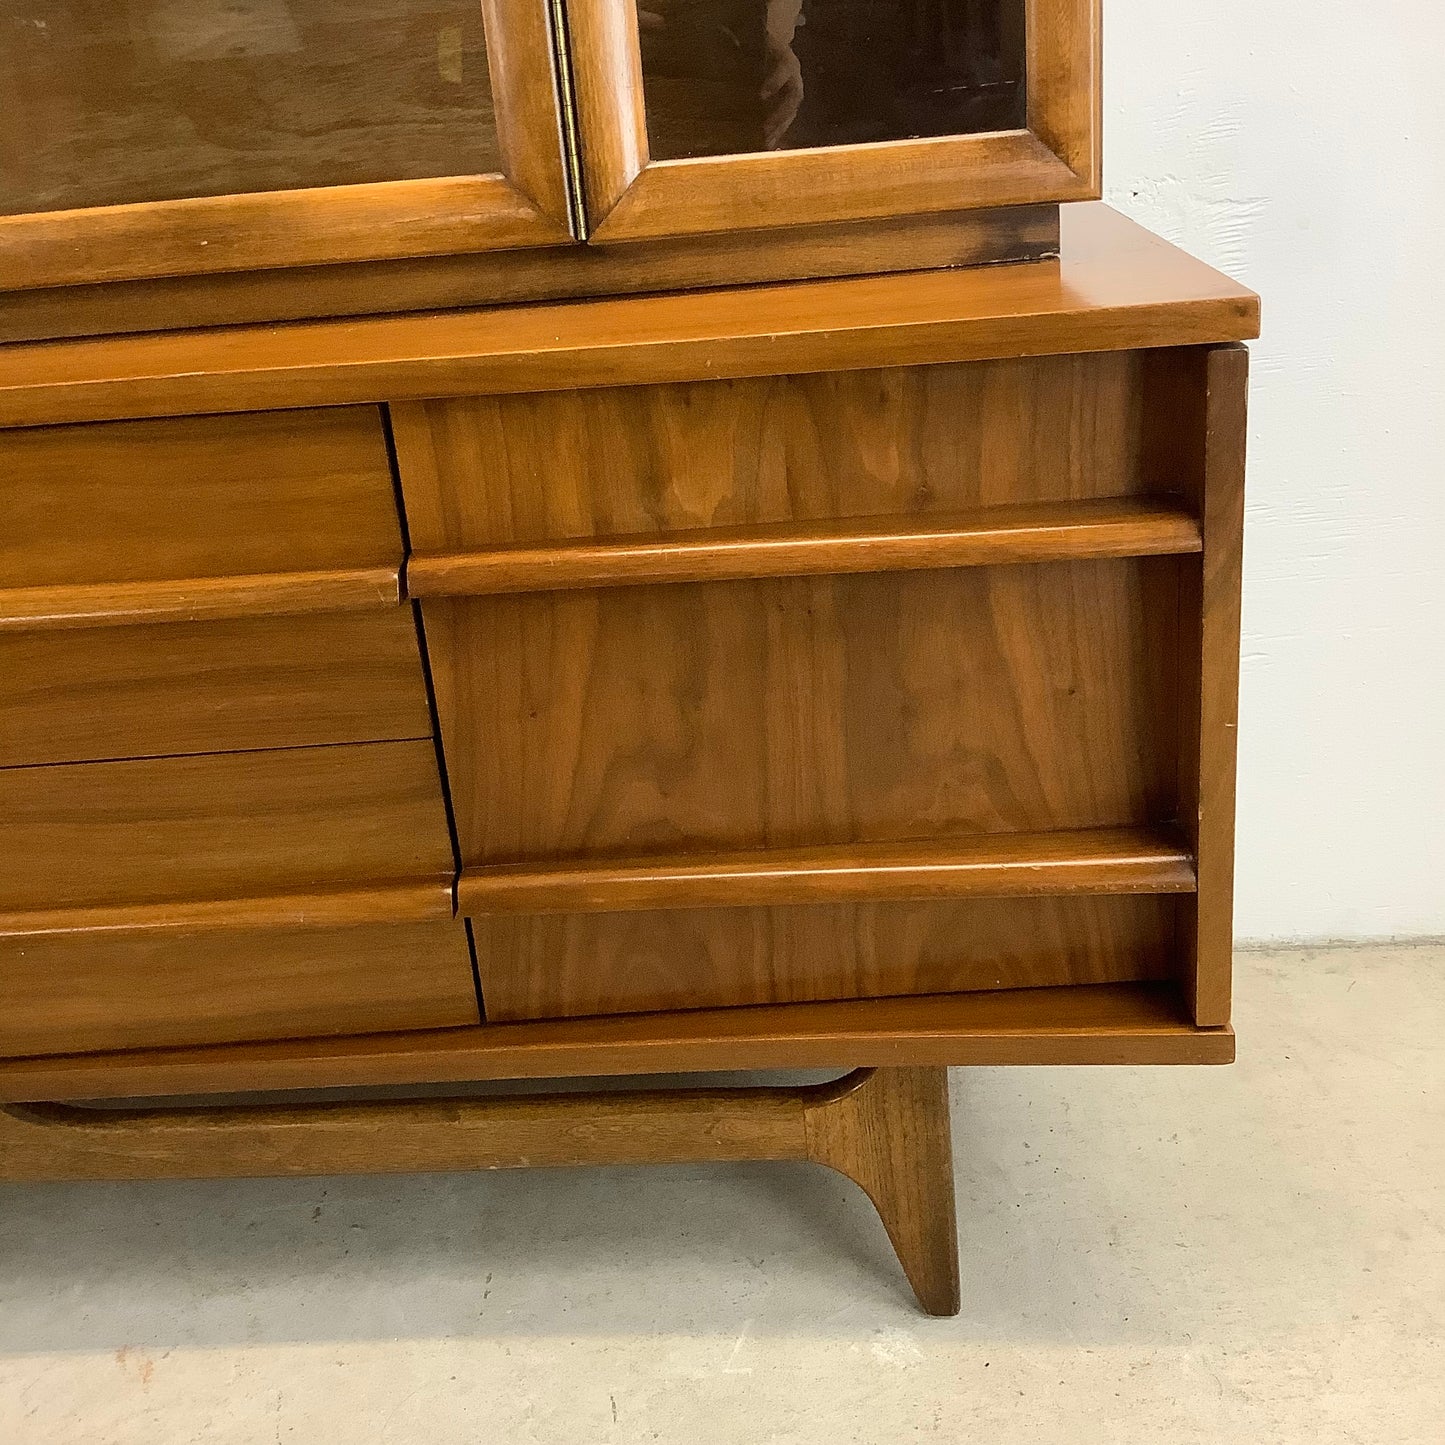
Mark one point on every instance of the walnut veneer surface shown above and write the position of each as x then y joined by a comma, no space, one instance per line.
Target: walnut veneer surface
838,673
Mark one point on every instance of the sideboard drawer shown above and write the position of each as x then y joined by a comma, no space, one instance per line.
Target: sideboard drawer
91,694
489,472
288,836
629,461
81,992
798,711
180,499
569,965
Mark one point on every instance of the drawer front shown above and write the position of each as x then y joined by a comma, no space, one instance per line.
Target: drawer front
563,965
101,845
196,497
65,993
480,472
790,712
93,694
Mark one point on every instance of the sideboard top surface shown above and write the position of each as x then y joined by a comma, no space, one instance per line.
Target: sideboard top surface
1115,287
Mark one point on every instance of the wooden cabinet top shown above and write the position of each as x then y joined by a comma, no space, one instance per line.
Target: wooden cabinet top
1115,287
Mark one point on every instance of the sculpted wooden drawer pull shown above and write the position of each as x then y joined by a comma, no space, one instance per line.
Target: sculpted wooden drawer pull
1004,865
1032,532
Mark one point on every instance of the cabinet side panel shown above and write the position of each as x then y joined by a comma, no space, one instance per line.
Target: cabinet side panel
1195,416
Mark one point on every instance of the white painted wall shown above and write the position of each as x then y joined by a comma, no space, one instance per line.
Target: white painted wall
1301,148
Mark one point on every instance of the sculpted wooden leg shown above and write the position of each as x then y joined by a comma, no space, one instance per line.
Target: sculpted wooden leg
885,1128
888,1130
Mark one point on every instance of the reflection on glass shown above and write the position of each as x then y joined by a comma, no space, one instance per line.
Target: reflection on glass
109,101
727,76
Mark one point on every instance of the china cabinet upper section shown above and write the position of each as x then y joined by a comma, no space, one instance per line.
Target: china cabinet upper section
171,138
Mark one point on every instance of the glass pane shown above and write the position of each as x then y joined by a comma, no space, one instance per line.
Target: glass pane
109,101
728,76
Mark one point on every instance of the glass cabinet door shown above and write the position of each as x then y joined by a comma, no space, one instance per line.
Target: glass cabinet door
712,115
163,137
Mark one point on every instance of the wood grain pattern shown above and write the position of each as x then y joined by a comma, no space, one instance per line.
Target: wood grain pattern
826,449
141,835
1198,405
1115,288
493,278
887,1130
1107,1024
64,993
566,965
265,682
631,197
997,865
126,502
797,712
890,1134
1030,532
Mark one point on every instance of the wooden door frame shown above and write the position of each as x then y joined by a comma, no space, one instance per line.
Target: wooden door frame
631,197
526,205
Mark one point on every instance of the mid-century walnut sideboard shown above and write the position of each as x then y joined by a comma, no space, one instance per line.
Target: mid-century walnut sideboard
654,605
835,674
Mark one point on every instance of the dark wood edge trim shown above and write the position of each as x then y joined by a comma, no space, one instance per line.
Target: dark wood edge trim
1034,532
1096,1024
198,599
740,258
400,901
1102,860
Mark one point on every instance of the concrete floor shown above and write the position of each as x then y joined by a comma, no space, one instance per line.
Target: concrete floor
1241,1255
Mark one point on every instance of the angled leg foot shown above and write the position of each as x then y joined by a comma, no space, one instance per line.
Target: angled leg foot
885,1128
888,1130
